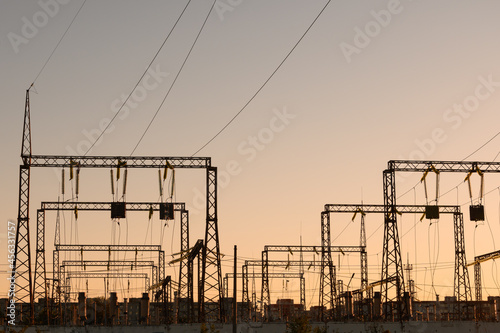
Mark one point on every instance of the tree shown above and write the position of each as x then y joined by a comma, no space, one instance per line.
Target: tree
300,324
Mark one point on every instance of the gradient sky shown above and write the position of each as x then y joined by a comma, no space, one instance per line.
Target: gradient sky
371,81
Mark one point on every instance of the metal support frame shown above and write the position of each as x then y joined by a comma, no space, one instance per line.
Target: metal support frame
363,255
212,293
477,270
85,275
21,273
327,289
40,284
112,263
102,248
264,264
461,285
392,255
195,253
392,266
477,282
245,299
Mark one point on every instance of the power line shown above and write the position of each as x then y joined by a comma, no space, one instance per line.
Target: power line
140,79
59,42
175,79
264,84
482,146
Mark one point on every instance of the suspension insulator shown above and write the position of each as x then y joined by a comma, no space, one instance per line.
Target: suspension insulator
173,183
159,183
112,182
62,182
77,181
125,182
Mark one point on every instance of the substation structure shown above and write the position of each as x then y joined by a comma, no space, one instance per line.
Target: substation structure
477,271
166,212
82,249
249,305
93,275
110,265
392,267
211,293
462,291
265,292
328,292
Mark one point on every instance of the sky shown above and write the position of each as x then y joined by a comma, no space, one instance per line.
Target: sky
371,81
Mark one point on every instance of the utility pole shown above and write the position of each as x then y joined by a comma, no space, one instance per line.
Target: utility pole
235,303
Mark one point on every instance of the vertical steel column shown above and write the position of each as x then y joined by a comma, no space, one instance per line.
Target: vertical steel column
225,285
461,282
161,269
245,299
190,293
477,281
213,309
183,269
303,292
201,317
40,282
57,284
327,291
265,293
183,290
392,267
363,256
155,278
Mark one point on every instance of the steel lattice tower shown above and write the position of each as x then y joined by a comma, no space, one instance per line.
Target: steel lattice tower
392,267
327,289
21,273
212,291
